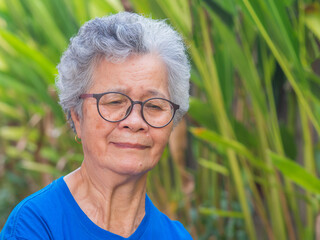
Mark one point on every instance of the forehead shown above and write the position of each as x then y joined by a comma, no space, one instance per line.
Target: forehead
139,75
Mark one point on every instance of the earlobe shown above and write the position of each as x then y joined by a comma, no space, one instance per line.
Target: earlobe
76,121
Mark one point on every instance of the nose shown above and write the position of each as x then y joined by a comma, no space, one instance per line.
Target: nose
134,121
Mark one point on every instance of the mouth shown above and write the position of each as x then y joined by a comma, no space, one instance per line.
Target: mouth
130,145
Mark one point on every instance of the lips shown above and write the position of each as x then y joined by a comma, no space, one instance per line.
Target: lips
130,145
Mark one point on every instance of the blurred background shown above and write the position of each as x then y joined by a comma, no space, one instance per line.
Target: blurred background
243,164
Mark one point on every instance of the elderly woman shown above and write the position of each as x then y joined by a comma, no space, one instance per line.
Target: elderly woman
123,83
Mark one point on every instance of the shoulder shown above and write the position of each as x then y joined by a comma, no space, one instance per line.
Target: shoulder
28,218
163,225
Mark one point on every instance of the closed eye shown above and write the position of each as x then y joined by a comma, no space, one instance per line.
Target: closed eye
115,102
154,107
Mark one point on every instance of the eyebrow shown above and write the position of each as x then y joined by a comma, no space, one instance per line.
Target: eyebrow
150,92
156,93
117,89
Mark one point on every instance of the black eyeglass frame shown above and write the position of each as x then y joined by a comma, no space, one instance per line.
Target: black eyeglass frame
98,96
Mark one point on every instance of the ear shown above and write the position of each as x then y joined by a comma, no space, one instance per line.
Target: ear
76,121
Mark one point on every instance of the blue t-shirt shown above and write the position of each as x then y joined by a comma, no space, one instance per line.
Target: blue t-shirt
53,213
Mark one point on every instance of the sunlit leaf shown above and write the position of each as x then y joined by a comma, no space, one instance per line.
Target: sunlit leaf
40,167
312,18
296,173
220,213
25,50
213,166
215,138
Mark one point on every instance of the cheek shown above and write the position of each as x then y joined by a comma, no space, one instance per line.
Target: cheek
99,125
94,131
161,139
92,121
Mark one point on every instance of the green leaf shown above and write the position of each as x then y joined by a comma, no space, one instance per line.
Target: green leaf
47,26
142,6
312,18
179,13
113,6
289,144
25,50
214,138
220,213
39,167
214,166
11,83
243,62
223,12
199,111
296,173
10,111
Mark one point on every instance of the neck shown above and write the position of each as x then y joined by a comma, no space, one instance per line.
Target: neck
114,203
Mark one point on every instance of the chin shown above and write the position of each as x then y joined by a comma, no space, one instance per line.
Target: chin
132,170
132,166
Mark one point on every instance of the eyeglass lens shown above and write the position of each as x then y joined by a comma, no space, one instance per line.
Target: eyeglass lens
115,107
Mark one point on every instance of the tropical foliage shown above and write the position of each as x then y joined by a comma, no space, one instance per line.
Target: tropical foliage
245,162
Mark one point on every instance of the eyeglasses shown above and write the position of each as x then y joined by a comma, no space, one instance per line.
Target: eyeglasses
116,106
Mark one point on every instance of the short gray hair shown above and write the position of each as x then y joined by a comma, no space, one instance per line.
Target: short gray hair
117,37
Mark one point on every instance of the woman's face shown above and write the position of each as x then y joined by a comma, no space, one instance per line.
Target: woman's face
129,147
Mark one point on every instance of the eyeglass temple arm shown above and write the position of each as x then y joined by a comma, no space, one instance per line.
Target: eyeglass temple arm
86,95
